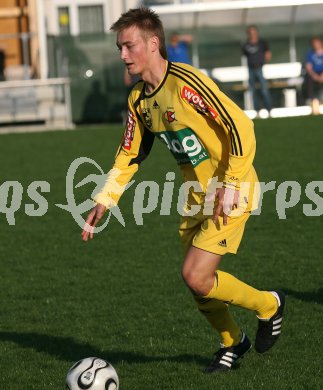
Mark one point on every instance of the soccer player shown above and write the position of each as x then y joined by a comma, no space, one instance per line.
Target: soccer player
210,137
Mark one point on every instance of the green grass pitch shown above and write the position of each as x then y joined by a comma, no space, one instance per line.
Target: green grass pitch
121,297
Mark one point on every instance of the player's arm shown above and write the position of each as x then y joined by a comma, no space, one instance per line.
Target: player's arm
240,137
242,147
135,147
238,129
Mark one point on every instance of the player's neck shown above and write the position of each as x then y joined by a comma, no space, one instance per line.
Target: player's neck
154,75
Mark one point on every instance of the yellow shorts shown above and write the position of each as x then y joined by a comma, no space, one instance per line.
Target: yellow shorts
200,231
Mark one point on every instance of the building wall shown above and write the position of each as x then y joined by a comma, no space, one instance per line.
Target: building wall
55,20
23,56
13,20
19,38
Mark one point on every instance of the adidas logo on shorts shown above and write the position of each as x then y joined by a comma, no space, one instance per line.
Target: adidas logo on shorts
223,243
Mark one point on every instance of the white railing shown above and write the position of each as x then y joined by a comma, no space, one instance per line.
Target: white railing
46,101
286,76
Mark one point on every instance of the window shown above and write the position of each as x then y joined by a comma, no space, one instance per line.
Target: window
91,19
64,20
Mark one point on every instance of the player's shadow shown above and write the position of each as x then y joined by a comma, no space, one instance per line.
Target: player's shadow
68,349
315,296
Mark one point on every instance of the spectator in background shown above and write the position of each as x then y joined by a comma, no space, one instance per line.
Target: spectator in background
314,74
2,63
258,53
178,49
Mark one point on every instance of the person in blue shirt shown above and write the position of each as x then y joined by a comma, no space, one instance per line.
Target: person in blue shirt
314,74
178,48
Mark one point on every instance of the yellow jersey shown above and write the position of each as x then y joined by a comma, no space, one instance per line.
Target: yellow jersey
206,132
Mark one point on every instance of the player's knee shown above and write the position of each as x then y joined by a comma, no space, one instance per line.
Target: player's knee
195,281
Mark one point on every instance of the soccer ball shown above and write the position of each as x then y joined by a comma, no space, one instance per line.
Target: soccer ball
92,374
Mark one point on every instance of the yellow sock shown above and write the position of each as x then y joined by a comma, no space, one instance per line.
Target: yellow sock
231,290
218,315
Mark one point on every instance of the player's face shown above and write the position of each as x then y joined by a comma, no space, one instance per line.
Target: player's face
134,49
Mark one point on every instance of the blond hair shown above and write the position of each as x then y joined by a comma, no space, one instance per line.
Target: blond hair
145,20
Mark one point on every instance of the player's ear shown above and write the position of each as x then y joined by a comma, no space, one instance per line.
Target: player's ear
154,43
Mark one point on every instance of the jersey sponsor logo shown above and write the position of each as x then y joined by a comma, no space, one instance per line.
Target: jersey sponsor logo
170,116
147,117
130,130
155,105
185,146
196,100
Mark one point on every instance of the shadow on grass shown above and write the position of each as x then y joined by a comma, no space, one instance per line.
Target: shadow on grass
66,348
315,296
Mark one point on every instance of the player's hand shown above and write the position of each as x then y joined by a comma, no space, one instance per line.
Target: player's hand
228,200
92,220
